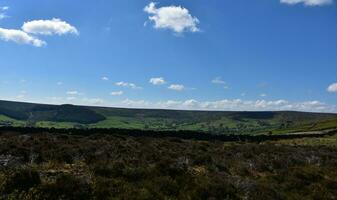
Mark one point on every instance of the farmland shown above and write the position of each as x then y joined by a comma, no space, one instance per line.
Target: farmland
220,122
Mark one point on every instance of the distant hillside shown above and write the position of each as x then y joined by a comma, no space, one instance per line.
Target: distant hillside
215,122
39,112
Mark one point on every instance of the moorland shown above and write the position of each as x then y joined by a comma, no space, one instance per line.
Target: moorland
73,152
44,165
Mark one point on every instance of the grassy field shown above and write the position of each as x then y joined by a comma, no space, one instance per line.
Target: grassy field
50,124
4,120
69,116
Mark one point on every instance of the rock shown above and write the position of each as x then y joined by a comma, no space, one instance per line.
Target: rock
10,161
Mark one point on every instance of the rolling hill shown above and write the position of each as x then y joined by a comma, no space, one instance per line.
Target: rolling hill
215,122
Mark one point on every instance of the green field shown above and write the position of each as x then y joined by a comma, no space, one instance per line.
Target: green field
70,116
4,120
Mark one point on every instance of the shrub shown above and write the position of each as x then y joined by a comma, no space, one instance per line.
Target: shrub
22,179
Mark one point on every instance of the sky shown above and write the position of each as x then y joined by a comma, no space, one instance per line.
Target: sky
171,54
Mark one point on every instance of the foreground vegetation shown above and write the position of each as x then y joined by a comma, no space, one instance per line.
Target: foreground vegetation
110,166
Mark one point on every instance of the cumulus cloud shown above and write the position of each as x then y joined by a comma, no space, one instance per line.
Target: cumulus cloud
2,16
218,80
54,26
175,18
20,97
332,88
157,81
308,2
71,98
126,84
31,28
74,100
193,104
92,101
234,105
20,37
176,87
135,103
4,8
117,93
73,93
3,12
104,78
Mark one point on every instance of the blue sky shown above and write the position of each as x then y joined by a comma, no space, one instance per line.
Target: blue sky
219,55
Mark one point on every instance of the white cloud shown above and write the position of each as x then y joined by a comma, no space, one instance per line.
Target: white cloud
73,93
117,93
49,27
71,98
4,8
126,84
20,37
308,2
136,104
43,27
263,95
175,18
54,100
74,100
332,88
218,80
20,97
176,87
157,81
2,16
234,105
3,12
92,101
192,104
104,78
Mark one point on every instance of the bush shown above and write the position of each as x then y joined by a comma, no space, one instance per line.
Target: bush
20,180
